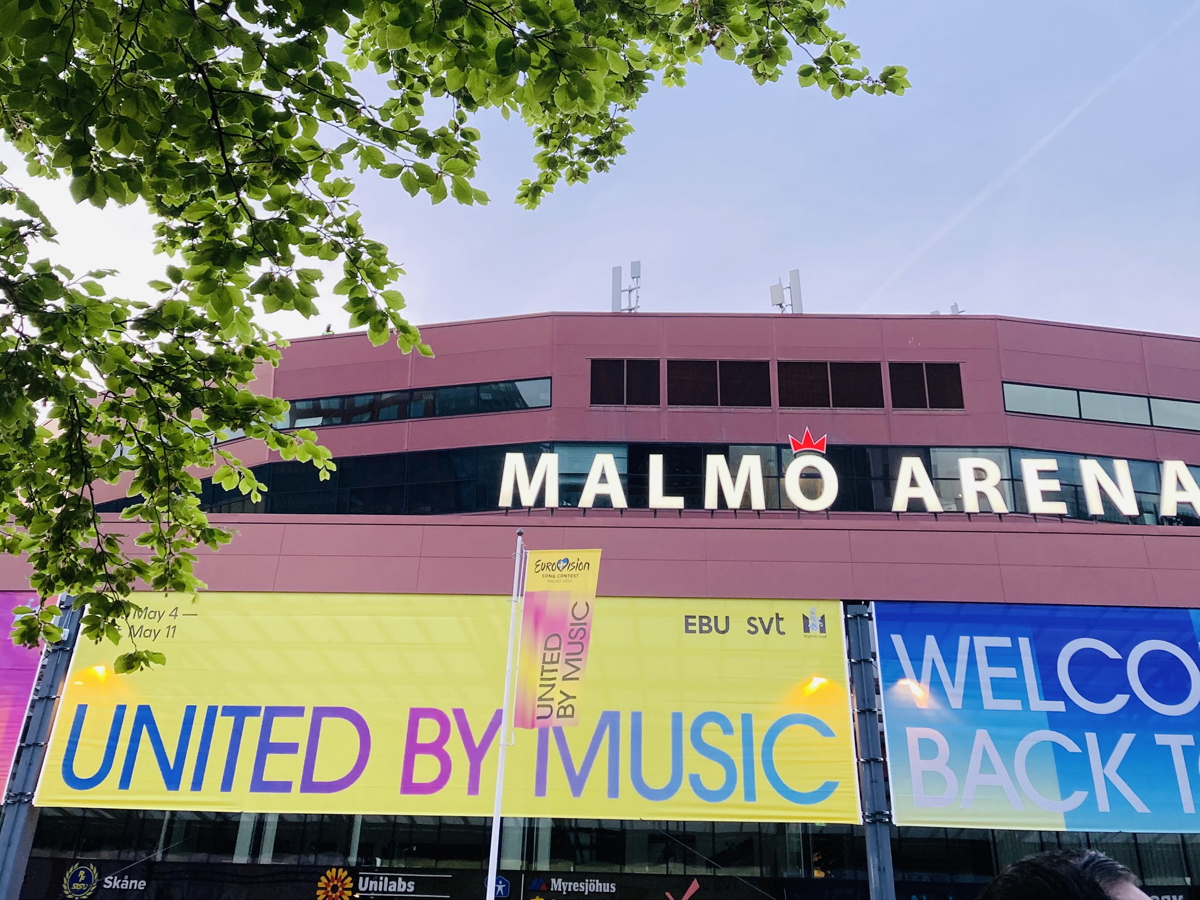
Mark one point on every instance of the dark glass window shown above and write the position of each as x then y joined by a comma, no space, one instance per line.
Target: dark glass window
908,385
421,405
467,480
856,385
945,385
456,401
608,382
370,471
641,382
359,408
452,400
392,405
308,503
803,384
535,393
373,501
290,477
313,413
506,396
691,382
745,383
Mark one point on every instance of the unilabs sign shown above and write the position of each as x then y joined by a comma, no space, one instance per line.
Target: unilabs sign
381,704
979,481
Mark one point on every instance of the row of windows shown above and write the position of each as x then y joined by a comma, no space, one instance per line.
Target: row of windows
468,480
802,385
746,849
385,406
1098,406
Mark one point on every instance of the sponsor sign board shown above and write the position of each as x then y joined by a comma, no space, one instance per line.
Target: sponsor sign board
1041,717
117,880
695,709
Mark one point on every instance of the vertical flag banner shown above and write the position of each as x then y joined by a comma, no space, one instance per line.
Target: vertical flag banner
694,709
1041,717
18,670
556,631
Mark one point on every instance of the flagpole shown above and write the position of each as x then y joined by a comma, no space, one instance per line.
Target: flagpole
517,592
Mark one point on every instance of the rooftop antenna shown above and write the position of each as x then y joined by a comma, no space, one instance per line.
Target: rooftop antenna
794,302
627,299
954,311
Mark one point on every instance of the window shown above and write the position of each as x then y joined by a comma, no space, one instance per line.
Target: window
692,382
1041,401
803,384
456,401
908,385
359,408
386,406
629,382
856,385
392,405
707,382
1101,406
509,396
467,480
944,381
421,405
313,413
1175,414
925,385
641,382
1114,408
608,382
745,383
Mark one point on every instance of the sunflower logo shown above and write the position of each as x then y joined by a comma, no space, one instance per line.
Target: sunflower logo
336,884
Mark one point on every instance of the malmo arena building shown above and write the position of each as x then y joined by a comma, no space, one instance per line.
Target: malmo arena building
882,604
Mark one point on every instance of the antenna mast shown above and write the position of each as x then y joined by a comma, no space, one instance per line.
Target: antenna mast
794,302
627,299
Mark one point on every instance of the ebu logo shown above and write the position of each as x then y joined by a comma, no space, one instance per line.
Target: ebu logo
566,564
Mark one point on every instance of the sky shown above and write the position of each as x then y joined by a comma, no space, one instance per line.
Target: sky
1043,164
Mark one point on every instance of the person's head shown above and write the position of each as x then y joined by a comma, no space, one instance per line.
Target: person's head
1065,875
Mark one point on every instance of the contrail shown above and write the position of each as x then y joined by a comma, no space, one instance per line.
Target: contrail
982,197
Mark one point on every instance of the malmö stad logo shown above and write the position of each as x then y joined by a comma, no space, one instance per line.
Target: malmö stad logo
813,623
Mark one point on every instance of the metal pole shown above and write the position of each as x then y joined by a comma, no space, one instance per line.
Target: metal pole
20,815
517,591
877,817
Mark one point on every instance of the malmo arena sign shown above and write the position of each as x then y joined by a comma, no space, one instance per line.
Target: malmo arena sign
979,478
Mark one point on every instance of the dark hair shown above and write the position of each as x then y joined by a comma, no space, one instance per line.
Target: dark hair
1059,875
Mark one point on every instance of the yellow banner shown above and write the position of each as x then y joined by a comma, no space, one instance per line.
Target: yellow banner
338,703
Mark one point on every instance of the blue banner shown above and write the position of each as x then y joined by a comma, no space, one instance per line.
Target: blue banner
1041,717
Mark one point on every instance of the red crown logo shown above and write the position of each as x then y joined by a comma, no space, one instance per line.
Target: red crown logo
808,443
